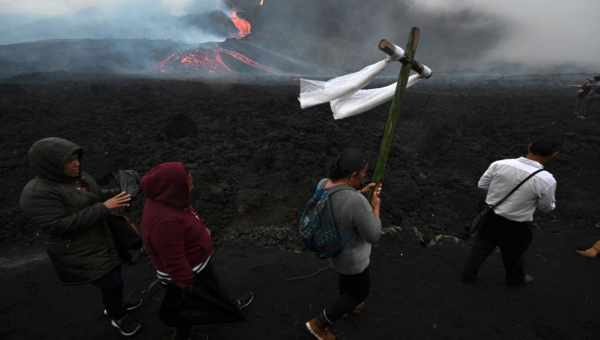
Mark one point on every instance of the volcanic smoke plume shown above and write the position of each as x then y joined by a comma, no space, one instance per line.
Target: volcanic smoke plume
319,37
214,58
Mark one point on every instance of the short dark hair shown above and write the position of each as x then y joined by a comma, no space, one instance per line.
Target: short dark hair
597,77
349,161
544,147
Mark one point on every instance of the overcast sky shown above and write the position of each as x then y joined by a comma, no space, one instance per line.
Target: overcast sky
545,31
30,20
539,31
68,7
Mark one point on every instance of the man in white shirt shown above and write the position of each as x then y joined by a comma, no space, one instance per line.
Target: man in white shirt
509,227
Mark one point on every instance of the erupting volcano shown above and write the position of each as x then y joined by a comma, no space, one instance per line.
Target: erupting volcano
214,58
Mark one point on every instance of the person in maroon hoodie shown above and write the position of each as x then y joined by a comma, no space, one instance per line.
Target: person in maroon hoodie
180,247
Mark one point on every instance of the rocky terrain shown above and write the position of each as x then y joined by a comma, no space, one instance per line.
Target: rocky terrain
256,157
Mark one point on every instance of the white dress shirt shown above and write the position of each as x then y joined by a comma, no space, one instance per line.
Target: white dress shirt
538,192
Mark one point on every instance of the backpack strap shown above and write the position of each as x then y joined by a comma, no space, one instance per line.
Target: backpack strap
331,193
339,188
321,184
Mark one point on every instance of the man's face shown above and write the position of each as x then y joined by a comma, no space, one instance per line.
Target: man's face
73,168
359,178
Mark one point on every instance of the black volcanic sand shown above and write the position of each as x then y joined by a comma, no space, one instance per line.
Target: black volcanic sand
255,157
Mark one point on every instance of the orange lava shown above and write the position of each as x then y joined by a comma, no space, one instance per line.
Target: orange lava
244,27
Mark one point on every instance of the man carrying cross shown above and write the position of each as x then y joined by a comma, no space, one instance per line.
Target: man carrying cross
348,98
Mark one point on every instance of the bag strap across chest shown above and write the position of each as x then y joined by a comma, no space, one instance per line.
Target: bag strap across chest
516,188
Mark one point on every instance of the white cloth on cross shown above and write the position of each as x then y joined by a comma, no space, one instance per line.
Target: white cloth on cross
345,93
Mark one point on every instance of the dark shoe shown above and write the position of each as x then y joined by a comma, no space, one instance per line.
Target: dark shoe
127,325
130,306
133,305
245,300
359,309
528,279
321,333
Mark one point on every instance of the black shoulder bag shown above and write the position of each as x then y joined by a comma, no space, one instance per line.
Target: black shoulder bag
487,210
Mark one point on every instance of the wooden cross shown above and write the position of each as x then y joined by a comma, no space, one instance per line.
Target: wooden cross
408,63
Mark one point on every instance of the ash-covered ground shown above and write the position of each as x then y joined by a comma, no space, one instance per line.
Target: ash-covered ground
256,157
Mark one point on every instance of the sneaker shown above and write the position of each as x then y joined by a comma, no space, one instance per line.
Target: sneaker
127,325
130,306
321,333
133,305
245,300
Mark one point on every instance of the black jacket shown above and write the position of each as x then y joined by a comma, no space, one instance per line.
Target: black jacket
80,244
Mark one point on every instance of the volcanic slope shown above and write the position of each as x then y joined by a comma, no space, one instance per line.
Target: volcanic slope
256,157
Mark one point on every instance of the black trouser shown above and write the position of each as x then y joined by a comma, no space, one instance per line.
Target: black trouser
513,239
206,302
354,289
111,287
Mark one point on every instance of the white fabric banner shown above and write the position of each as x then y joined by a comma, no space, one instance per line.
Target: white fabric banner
315,92
364,100
345,93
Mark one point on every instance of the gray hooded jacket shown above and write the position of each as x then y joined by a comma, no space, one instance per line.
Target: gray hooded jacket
80,244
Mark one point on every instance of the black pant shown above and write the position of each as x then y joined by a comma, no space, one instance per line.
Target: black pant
206,302
354,289
513,239
111,287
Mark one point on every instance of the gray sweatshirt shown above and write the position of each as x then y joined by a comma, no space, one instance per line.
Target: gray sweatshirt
354,216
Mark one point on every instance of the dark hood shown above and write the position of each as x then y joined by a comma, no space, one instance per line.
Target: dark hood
167,183
47,158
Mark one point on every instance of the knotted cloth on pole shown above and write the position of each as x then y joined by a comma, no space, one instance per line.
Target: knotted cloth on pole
346,94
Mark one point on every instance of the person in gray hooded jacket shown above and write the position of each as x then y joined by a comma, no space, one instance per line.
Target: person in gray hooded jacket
358,219
67,204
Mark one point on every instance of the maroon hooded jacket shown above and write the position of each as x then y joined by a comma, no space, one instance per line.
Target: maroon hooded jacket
175,237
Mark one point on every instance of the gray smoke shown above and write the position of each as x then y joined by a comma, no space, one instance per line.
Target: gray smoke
506,36
486,36
30,20
345,34
540,33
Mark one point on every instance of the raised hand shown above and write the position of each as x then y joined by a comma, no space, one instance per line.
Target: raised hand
367,188
376,197
119,201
